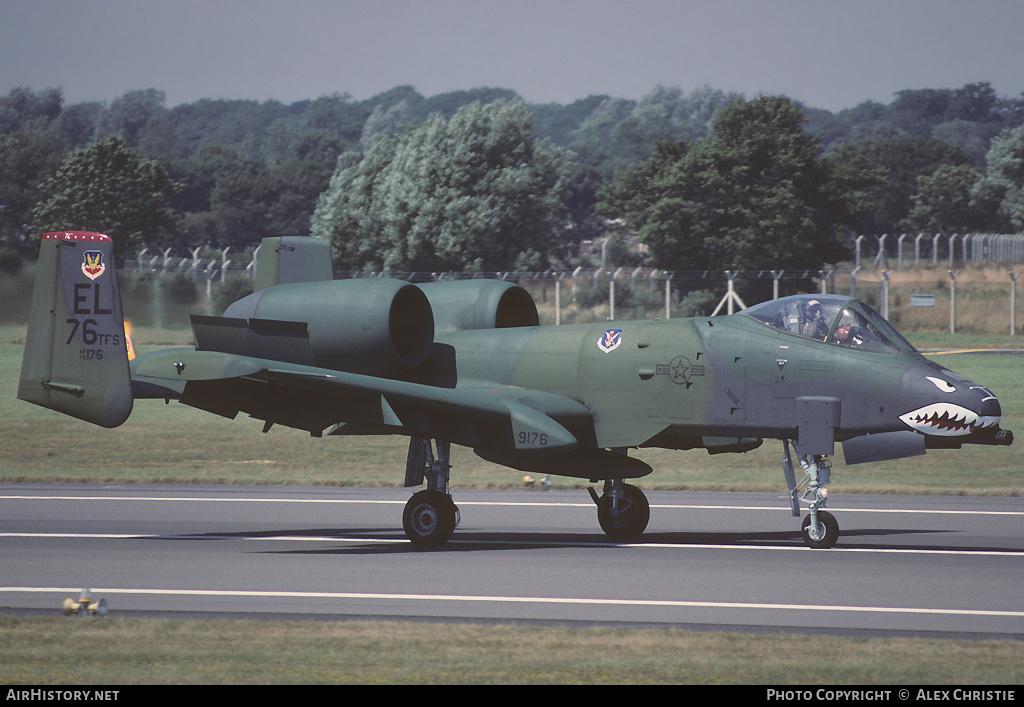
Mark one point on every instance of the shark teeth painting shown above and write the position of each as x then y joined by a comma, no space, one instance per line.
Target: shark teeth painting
944,419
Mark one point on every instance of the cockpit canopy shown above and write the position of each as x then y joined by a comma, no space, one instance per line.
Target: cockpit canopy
834,319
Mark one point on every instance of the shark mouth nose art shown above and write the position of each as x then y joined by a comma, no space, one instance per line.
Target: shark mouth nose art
947,419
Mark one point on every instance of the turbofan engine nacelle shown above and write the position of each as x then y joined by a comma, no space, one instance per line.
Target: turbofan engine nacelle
461,305
379,327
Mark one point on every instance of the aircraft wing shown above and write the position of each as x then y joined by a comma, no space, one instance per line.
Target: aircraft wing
315,399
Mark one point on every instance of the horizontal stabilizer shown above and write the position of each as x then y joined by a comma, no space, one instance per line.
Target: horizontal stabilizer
257,338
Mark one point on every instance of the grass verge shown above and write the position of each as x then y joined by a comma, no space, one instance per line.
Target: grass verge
162,651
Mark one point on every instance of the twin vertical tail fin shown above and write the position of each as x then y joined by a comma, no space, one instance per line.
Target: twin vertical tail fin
287,259
76,350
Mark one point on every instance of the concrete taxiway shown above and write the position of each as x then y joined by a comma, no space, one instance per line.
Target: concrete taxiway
933,566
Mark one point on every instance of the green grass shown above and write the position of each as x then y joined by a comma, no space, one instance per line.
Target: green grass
156,651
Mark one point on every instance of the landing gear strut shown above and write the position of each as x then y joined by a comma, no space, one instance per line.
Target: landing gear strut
820,528
430,516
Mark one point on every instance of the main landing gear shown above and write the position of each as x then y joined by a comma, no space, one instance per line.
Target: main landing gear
622,511
430,516
819,528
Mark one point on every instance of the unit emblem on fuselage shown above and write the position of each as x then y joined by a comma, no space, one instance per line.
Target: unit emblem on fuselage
610,340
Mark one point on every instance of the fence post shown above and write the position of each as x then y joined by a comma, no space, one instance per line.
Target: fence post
882,256
730,296
1013,301
826,275
558,299
952,301
611,299
885,293
668,295
776,274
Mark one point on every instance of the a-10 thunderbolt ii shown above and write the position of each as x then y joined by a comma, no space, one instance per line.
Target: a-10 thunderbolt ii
466,363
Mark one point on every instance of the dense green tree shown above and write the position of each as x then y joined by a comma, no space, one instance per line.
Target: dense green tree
474,192
944,203
234,200
975,102
755,195
21,109
77,123
448,104
1003,183
971,137
109,187
338,115
129,114
620,133
256,175
557,123
300,179
917,111
387,122
228,198
636,189
904,160
26,160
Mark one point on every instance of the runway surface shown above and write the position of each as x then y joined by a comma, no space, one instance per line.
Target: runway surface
929,566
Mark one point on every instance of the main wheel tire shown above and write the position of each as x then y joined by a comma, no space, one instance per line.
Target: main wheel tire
631,523
828,528
430,518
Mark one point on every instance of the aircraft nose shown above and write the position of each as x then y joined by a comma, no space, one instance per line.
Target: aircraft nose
946,404
989,410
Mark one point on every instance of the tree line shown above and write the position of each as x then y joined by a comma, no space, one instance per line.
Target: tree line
481,180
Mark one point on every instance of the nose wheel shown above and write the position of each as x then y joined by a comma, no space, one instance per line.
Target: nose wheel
822,533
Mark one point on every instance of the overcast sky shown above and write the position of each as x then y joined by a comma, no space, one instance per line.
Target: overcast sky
829,54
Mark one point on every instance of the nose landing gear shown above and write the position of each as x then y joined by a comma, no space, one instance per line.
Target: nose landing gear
819,529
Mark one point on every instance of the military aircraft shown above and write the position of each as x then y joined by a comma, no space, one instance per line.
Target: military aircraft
466,363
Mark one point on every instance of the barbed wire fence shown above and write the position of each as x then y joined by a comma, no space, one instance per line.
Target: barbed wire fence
918,281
